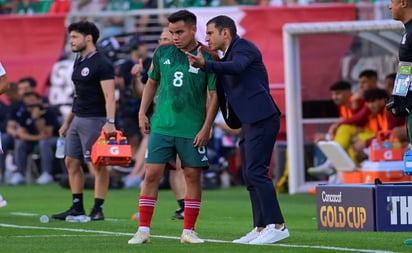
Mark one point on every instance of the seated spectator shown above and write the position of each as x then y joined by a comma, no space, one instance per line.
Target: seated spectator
356,124
7,140
30,7
15,112
6,7
380,119
342,96
37,126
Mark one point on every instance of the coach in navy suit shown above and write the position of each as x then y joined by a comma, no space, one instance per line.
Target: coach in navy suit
246,102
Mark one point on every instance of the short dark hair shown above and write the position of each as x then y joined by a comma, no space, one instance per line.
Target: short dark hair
135,42
32,82
183,15
340,85
391,76
375,94
31,94
222,22
85,28
368,73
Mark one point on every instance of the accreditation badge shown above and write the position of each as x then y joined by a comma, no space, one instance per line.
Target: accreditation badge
403,79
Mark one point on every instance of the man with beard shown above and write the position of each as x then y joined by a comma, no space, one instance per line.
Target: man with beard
93,110
244,85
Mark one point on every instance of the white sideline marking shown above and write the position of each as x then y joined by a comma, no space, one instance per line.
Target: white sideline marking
49,236
36,214
24,214
178,238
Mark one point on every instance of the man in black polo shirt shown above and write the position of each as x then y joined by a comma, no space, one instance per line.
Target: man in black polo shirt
93,110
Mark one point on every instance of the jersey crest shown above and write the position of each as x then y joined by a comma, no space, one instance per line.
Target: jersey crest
85,71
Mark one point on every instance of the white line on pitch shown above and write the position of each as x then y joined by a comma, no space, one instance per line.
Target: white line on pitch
24,214
54,235
36,214
178,238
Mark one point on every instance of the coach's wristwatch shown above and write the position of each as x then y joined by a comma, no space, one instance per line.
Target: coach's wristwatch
110,120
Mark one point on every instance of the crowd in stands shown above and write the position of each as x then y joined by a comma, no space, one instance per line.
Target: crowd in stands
64,6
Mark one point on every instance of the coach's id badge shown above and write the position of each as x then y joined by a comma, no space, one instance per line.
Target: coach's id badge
401,86
403,79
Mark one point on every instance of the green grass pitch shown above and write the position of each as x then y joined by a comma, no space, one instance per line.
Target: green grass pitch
225,215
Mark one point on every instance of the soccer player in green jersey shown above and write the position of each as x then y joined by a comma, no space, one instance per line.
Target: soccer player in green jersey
180,125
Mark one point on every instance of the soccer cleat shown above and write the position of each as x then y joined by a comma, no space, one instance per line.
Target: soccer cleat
139,237
248,237
96,214
70,212
271,235
3,202
190,237
78,218
179,214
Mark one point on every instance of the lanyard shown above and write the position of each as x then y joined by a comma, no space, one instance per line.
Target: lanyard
80,59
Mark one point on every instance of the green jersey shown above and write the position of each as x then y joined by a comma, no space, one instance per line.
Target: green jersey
181,102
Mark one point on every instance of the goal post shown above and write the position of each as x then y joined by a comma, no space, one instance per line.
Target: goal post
377,32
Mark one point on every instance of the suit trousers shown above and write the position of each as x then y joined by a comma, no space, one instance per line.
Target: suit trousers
256,147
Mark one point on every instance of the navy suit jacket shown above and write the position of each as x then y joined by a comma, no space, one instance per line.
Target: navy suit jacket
244,80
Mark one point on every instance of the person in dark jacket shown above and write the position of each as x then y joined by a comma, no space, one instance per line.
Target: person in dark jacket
245,100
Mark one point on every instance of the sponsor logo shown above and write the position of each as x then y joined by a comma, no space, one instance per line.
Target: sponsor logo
114,150
400,208
85,71
341,217
331,198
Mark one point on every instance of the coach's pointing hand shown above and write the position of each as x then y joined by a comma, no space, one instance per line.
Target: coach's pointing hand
196,61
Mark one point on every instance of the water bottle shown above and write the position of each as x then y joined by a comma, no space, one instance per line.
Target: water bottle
60,147
407,162
112,141
387,145
375,144
123,141
101,140
396,144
